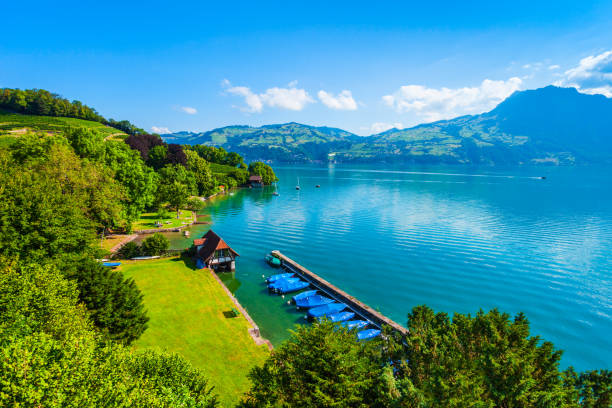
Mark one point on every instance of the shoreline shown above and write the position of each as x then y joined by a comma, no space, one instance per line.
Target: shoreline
254,330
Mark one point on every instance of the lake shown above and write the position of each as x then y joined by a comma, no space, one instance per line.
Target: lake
457,239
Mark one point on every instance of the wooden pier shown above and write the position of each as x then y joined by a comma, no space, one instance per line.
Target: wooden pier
360,308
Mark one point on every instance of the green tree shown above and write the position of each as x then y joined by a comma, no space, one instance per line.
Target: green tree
129,250
138,180
263,170
176,185
87,143
201,172
41,214
154,245
485,360
114,303
322,365
157,157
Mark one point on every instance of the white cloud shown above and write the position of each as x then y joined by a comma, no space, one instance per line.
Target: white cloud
343,101
160,130
379,127
444,103
189,110
290,98
527,66
553,67
593,75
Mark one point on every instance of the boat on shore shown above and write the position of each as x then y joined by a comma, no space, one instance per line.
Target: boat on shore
354,324
326,310
304,295
111,264
290,287
338,317
368,334
274,278
273,261
312,301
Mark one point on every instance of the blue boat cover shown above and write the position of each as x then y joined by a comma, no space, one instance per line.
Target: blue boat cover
368,334
313,301
355,324
274,278
277,283
339,317
305,294
111,264
288,287
326,310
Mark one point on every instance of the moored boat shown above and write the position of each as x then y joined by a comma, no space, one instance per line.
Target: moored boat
326,310
273,261
338,317
289,287
304,295
277,284
313,301
276,277
355,324
368,334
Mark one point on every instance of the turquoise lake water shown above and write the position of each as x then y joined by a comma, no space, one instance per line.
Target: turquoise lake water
455,238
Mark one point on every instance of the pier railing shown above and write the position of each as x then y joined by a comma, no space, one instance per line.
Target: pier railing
332,291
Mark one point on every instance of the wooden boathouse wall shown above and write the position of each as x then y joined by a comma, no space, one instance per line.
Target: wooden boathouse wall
357,306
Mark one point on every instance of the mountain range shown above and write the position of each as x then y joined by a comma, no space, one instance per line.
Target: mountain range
549,125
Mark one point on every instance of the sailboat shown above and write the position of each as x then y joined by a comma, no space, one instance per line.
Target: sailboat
298,184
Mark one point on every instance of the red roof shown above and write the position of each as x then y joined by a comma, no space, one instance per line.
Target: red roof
199,241
212,243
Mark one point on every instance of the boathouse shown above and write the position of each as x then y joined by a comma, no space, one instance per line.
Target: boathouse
213,252
255,181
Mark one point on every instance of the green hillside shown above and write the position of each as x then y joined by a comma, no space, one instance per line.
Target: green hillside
15,124
285,142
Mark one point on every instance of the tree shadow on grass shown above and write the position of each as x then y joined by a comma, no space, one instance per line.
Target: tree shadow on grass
187,260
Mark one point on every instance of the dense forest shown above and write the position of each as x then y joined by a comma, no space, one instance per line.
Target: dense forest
67,323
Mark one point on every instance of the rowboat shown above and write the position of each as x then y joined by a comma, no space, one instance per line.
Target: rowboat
368,334
277,283
289,287
304,295
273,261
355,324
274,278
326,310
338,317
313,301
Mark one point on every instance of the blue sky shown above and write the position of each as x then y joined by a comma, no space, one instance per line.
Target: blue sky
360,66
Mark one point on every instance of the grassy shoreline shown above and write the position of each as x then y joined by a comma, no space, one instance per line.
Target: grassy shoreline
190,315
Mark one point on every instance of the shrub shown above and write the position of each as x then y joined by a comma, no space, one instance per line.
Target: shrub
129,250
154,245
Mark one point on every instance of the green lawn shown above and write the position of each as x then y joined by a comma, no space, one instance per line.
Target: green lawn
186,308
148,220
